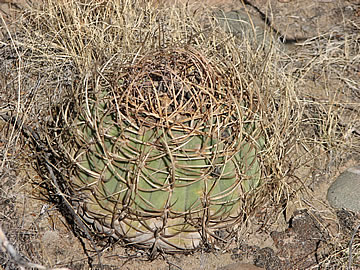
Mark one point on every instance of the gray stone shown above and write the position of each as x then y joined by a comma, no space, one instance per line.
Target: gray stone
245,26
345,191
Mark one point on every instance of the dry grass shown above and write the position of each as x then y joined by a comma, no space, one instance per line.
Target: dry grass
331,65
326,72
308,101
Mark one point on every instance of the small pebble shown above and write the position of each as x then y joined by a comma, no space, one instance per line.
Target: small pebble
344,192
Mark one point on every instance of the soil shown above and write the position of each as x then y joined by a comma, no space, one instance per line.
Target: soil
298,239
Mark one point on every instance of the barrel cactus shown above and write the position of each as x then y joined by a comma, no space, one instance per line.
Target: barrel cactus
164,152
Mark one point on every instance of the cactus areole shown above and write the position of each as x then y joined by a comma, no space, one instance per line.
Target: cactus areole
163,157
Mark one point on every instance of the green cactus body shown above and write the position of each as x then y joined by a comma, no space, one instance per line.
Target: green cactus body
165,183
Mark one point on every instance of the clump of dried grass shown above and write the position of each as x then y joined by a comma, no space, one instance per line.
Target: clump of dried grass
325,70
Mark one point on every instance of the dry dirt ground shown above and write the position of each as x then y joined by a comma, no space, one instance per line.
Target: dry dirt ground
307,236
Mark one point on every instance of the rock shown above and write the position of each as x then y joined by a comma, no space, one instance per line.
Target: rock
300,245
245,26
344,192
240,266
239,21
268,259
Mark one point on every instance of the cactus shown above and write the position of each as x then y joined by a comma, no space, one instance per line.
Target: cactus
163,157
